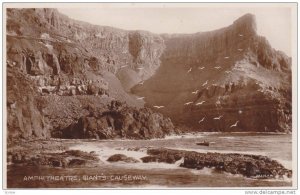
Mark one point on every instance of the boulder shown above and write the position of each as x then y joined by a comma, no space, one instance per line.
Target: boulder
121,157
55,162
167,158
81,154
148,159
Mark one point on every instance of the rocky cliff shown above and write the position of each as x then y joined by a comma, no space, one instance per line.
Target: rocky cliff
73,65
24,108
118,121
205,81
229,79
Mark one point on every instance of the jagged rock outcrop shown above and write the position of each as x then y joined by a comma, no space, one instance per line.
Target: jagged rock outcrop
121,157
255,166
119,121
69,158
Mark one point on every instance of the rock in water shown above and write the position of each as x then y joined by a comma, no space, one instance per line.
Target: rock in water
121,157
255,166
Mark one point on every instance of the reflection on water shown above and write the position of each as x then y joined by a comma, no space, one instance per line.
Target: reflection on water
162,175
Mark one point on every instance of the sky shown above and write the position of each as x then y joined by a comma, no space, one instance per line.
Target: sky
273,22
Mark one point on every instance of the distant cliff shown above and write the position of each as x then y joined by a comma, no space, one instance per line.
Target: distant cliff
209,81
71,65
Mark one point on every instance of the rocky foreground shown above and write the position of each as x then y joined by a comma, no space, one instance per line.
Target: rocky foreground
234,163
57,154
54,153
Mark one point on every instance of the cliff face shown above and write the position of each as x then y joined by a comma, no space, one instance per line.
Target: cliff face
72,65
132,55
210,81
24,109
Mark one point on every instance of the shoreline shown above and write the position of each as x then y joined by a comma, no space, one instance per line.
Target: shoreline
178,136
137,150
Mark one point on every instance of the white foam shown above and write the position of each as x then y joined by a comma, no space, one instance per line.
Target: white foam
227,137
186,135
204,171
254,132
104,152
286,163
282,179
210,133
178,163
233,175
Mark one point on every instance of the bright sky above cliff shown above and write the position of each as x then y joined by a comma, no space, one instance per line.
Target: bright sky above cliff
273,22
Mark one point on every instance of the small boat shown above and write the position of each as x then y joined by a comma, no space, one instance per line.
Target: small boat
204,143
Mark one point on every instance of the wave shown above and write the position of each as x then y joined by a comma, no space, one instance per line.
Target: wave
178,163
277,179
284,178
104,152
185,135
204,171
227,137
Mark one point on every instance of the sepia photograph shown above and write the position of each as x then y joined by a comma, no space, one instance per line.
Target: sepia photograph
150,96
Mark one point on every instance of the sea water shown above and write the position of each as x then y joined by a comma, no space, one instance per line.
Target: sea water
162,175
